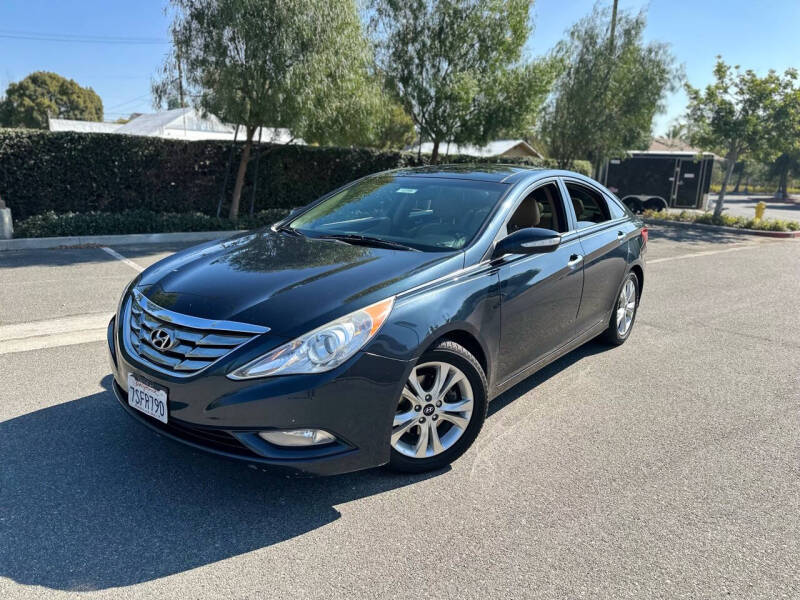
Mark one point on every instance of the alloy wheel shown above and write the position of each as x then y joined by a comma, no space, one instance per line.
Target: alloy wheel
434,410
626,307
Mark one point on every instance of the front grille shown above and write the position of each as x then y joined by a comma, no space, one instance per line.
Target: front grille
213,438
181,345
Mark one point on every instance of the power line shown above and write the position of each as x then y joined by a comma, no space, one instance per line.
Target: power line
142,97
78,39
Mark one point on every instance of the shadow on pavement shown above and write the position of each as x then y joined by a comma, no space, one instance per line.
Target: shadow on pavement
52,257
697,235
58,257
91,500
526,385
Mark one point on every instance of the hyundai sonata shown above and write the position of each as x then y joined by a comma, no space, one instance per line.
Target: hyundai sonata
374,325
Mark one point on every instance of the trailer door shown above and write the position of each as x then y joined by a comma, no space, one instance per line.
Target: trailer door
687,183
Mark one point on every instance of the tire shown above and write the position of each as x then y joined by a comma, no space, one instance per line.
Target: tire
613,334
634,204
455,430
655,203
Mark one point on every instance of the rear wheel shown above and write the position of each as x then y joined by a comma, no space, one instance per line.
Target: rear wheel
655,203
441,410
624,313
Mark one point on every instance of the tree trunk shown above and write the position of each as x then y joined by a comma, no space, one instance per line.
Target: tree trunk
783,183
435,153
237,188
732,156
739,177
597,169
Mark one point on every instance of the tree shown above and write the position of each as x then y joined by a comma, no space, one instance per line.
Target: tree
612,86
736,116
281,63
30,102
787,133
371,119
456,66
786,165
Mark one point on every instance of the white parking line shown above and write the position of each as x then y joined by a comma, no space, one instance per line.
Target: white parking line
119,256
703,253
65,331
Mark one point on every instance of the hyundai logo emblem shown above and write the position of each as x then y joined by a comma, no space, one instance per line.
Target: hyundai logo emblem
162,339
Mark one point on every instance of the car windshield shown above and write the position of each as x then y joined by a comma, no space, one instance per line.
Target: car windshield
421,213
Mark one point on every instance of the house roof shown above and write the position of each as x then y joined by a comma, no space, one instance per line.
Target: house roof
82,126
665,144
186,119
191,124
495,148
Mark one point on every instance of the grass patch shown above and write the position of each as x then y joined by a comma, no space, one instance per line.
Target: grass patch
708,218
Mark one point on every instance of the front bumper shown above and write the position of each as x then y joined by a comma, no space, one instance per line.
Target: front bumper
355,402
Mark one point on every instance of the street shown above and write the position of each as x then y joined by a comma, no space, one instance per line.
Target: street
667,467
745,206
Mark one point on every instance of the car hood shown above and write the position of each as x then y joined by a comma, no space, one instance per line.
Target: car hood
286,282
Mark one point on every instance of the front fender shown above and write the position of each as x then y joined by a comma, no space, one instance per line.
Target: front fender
468,302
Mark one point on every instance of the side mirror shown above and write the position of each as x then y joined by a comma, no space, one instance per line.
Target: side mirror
531,240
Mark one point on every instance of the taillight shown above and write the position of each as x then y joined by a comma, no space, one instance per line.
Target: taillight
644,236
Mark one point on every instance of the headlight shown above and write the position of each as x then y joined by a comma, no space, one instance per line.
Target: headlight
323,349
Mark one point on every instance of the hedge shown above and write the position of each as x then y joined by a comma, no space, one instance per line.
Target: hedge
70,172
708,218
51,224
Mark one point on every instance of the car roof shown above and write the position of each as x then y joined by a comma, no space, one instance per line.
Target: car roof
479,172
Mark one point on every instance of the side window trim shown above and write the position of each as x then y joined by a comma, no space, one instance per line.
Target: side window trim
611,199
597,226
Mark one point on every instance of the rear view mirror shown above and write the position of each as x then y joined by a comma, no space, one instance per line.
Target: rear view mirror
530,240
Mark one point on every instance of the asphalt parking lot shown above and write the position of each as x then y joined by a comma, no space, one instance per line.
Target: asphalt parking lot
745,206
740,205
668,467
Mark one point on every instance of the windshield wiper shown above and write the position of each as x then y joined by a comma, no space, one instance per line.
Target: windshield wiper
365,240
290,231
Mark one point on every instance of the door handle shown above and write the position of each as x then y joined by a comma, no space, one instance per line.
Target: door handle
620,235
574,260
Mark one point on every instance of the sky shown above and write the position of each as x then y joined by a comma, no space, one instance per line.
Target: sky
756,34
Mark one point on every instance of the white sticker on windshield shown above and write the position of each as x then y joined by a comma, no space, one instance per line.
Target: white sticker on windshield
406,191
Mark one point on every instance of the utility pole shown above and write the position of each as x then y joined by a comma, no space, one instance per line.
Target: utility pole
601,158
180,76
613,27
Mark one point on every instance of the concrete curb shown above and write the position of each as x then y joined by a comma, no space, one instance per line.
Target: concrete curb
773,234
113,240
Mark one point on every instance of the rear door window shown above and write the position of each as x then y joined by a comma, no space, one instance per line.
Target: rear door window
616,209
590,206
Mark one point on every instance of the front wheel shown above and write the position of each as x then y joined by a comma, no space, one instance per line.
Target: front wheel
441,410
624,313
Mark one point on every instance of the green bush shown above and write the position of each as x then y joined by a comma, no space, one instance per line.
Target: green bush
51,224
64,172
723,220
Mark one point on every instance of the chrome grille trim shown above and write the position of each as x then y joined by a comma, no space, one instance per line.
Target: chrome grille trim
199,343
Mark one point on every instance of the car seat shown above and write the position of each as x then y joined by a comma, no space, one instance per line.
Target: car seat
526,215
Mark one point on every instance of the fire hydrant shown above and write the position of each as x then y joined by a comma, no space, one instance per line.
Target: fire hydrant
760,208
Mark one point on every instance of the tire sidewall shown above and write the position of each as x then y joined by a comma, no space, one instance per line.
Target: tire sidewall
477,381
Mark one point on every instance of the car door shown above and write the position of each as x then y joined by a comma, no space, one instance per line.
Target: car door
540,293
604,230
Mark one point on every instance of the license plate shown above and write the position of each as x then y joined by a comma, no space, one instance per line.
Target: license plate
146,398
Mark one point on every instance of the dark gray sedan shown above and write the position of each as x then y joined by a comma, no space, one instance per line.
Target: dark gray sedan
375,325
